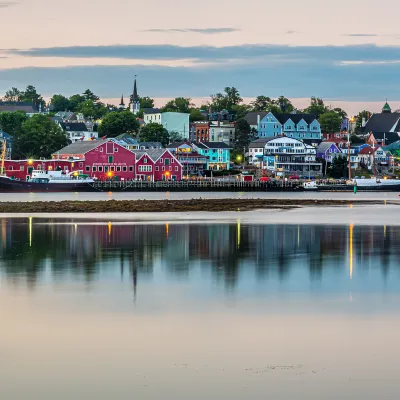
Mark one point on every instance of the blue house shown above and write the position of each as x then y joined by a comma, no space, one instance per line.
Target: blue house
296,126
218,154
7,137
328,151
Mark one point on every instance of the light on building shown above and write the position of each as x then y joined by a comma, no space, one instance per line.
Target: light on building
30,161
109,174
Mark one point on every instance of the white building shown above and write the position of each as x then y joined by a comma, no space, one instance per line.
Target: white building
171,121
77,131
222,132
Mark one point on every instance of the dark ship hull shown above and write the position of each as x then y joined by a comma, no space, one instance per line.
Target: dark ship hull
12,185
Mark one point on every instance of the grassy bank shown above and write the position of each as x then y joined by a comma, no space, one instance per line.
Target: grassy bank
212,205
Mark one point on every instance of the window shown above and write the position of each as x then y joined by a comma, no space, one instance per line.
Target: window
172,160
112,169
101,149
145,160
157,168
163,168
145,168
11,168
118,169
115,149
100,169
161,160
94,169
105,169
81,164
170,168
176,169
130,168
87,168
110,159
124,169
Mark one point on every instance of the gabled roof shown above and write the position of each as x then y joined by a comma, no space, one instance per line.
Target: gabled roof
148,145
383,122
80,147
126,138
216,145
251,117
323,147
151,110
312,141
13,106
175,145
262,141
389,137
369,150
296,118
73,126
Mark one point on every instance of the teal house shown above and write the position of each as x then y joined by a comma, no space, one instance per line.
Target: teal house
296,126
218,154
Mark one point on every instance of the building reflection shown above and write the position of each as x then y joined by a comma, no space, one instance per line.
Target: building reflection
29,248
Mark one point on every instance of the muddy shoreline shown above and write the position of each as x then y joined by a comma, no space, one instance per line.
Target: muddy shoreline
211,205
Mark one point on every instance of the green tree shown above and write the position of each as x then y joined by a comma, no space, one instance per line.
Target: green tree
354,139
59,103
11,122
240,110
175,137
90,96
363,114
196,115
330,122
93,110
341,112
338,167
154,133
284,104
225,100
243,133
179,104
316,107
39,137
13,95
75,101
118,122
30,94
261,103
146,102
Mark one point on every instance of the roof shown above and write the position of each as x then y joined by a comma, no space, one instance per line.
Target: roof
369,150
262,141
323,147
386,108
151,110
135,96
296,118
175,145
383,122
80,147
126,138
389,137
148,145
216,145
251,117
312,141
73,126
12,106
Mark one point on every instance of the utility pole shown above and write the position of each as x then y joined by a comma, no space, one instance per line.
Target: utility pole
348,149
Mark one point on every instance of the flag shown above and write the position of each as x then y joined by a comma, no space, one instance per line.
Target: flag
345,124
83,137
103,137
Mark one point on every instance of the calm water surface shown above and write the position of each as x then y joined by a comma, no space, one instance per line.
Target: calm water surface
94,310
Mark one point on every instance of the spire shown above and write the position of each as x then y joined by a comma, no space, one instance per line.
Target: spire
386,108
134,105
122,101
135,96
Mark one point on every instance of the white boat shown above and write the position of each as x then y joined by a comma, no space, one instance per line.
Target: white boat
310,185
376,182
62,177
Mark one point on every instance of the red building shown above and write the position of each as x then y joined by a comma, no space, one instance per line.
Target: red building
103,159
202,130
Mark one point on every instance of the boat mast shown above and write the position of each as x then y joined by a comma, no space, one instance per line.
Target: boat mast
3,156
348,149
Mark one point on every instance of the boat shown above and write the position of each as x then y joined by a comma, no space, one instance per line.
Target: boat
48,181
310,185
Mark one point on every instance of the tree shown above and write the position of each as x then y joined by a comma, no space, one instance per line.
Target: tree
196,115
362,115
243,133
261,103
59,103
154,133
240,110
341,112
225,100
354,139
13,95
284,104
146,102
92,110
330,122
316,107
39,137
179,104
30,94
11,122
118,122
90,96
175,137
338,167
75,101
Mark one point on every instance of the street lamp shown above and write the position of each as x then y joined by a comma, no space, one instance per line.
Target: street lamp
167,175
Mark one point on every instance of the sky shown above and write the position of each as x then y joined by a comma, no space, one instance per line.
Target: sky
347,52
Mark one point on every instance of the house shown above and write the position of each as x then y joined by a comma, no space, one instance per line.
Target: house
220,116
11,106
127,141
354,150
150,145
342,135
157,165
222,132
327,151
5,136
193,163
66,116
218,154
171,121
382,138
200,131
374,157
285,156
385,121
77,131
254,119
102,159
297,126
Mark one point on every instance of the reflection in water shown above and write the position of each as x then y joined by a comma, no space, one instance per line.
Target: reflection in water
230,252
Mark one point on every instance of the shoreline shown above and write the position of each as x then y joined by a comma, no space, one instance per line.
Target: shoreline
174,206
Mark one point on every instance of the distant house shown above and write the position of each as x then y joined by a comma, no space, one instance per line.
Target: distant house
150,145
374,156
193,163
257,150
218,153
327,151
127,141
7,137
77,131
254,119
383,138
67,116
171,121
12,106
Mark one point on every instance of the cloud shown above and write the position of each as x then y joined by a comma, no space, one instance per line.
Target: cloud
6,4
205,31
361,35
247,53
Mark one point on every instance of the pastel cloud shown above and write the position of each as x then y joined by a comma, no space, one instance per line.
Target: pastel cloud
7,4
206,31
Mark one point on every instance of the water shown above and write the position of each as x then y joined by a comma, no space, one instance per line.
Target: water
204,311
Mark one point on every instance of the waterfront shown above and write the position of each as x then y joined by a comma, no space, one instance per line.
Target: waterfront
93,309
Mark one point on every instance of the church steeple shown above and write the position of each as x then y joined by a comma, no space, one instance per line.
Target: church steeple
386,108
122,104
135,103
